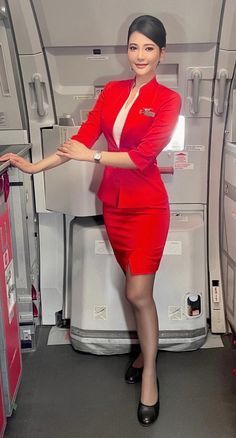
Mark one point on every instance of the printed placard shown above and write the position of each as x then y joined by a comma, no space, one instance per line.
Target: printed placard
181,218
10,290
100,312
173,247
97,58
181,161
103,247
195,147
175,313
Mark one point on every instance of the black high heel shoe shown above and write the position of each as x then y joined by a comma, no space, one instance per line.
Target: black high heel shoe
133,375
148,414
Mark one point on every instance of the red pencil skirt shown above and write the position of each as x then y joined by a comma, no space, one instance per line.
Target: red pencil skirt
137,236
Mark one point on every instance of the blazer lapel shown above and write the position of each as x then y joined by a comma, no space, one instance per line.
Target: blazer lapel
144,100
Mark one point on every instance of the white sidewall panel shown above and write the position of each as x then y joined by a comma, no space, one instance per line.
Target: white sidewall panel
104,290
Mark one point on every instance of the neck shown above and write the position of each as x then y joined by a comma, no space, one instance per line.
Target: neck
141,80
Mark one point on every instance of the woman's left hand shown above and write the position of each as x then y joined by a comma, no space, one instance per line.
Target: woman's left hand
75,151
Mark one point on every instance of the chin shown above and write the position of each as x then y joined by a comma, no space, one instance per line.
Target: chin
140,72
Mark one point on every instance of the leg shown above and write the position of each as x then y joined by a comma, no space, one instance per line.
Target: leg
139,292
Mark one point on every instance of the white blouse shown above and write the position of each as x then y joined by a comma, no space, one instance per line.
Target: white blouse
121,118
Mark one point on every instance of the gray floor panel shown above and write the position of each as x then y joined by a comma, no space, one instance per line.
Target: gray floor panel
68,394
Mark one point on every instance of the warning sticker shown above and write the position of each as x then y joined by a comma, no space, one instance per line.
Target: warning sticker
6,258
180,217
100,312
97,57
175,313
181,161
103,247
195,147
10,290
173,247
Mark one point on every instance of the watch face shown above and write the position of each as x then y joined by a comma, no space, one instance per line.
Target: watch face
97,156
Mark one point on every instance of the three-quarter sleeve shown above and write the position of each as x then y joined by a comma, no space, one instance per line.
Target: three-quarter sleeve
159,134
91,129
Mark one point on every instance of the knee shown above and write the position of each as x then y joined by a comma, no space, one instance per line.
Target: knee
137,297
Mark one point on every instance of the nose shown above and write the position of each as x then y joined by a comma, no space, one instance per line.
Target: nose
140,54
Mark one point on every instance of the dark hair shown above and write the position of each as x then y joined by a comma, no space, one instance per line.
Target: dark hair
151,27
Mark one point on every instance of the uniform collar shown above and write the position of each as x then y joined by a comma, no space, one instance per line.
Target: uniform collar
147,85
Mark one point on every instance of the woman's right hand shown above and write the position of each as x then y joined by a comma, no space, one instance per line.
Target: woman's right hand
18,162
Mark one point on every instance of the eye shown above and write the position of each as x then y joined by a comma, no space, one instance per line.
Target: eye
149,49
132,48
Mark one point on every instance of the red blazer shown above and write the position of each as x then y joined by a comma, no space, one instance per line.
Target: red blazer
147,130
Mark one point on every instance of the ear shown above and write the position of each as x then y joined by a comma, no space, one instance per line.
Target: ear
162,54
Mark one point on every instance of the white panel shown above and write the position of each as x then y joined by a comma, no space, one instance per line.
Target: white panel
232,121
188,184
228,34
226,61
30,65
25,28
105,22
230,222
104,290
32,227
10,117
230,290
51,265
224,261
72,187
218,135
230,163
20,237
13,137
224,237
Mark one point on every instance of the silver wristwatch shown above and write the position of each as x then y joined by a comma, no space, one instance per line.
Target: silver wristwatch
97,156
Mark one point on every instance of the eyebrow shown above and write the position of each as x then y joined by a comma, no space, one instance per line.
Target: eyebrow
135,44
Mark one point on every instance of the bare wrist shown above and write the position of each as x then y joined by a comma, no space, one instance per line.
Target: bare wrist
35,168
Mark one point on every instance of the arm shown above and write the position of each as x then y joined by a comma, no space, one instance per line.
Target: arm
78,151
159,134
88,134
91,129
157,137
49,162
21,163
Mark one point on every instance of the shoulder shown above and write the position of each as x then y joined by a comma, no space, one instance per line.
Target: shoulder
167,94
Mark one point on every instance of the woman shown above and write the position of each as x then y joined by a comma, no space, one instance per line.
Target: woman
137,118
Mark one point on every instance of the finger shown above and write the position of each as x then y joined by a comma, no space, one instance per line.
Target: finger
61,154
62,149
5,157
67,144
71,142
15,158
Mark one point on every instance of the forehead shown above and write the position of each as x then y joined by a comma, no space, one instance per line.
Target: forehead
140,39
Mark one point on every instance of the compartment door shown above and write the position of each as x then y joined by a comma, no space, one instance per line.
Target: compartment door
221,205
